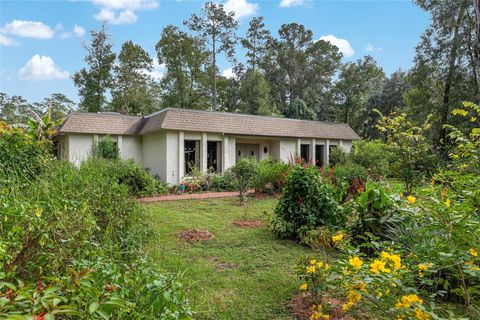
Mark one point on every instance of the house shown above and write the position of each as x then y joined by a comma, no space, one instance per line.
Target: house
170,141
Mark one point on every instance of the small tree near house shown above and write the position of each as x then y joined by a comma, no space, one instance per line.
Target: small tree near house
244,171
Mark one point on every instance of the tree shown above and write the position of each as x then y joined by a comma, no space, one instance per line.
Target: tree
15,109
256,42
217,28
131,93
255,95
298,109
93,83
358,81
477,48
299,67
447,48
185,58
229,94
58,105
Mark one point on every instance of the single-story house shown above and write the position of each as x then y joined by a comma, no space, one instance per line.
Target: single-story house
169,142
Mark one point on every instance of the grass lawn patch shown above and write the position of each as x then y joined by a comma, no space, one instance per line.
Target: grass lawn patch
240,273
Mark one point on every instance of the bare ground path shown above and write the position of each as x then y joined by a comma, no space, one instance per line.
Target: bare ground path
187,196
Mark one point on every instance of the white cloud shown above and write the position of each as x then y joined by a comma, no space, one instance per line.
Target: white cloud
127,4
242,8
41,68
122,11
28,29
342,44
228,73
6,41
291,3
114,17
370,47
65,35
78,31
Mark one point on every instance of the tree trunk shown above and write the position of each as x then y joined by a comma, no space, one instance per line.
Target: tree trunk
214,79
444,111
477,48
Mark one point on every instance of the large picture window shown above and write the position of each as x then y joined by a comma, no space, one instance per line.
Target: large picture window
192,155
319,156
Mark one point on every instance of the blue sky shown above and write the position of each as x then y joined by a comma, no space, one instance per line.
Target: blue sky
41,41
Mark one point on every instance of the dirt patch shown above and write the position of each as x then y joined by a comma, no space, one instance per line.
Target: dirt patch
220,266
302,303
195,235
249,223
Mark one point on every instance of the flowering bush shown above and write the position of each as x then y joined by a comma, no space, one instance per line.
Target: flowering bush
356,284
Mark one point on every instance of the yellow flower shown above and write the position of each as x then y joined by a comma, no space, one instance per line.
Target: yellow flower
420,315
327,266
411,199
317,313
472,119
473,252
448,203
304,287
355,262
347,306
353,296
337,237
401,194
395,258
378,266
311,269
361,286
319,264
407,300
312,262
38,212
422,267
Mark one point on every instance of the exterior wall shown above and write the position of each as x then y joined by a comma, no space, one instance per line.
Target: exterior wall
288,149
131,148
154,154
79,147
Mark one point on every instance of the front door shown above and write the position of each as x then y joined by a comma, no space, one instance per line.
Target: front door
247,150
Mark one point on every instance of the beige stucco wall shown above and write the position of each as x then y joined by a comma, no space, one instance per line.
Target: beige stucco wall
131,148
79,147
154,154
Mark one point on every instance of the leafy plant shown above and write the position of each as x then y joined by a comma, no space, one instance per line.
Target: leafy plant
105,148
338,155
270,176
244,172
373,155
307,202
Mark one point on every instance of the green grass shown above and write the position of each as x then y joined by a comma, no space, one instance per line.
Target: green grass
259,279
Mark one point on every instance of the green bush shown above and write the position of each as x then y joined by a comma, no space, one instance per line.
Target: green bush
225,181
128,173
373,155
21,156
307,202
350,178
338,155
105,148
244,172
271,175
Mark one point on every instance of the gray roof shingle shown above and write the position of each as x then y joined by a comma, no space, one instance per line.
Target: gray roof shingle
205,121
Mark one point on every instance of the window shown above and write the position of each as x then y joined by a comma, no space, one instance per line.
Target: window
214,156
305,152
330,149
319,155
192,156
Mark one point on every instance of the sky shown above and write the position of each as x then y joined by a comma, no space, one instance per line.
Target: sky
41,42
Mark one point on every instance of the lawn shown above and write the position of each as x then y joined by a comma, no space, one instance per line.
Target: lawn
240,273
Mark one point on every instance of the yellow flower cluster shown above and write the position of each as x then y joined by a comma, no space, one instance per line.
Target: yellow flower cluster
314,265
411,199
355,262
420,315
378,266
422,267
352,297
408,300
473,252
337,237
304,287
317,313
394,258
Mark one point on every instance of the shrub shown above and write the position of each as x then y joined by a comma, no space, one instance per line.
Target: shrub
21,156
225,181
244,172
350,178
271,175
373,155
307,202
338,155
106,148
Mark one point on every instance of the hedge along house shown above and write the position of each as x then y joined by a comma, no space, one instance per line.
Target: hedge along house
170,142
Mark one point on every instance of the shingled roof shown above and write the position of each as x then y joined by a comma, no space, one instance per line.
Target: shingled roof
205,121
